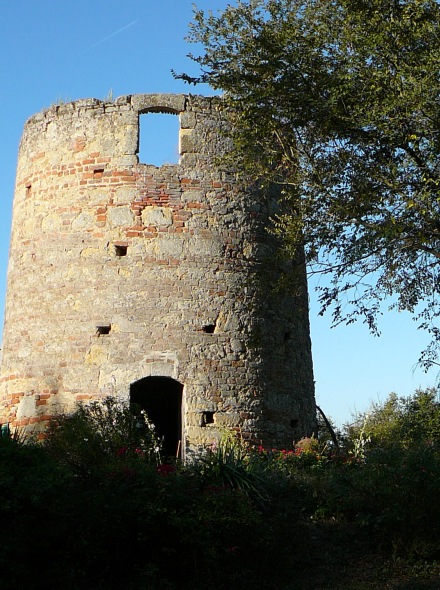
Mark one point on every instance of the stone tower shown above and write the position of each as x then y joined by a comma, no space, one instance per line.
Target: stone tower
149,283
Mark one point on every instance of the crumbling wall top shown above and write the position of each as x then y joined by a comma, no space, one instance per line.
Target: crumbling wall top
139,103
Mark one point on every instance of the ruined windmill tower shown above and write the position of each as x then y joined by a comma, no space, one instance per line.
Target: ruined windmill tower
149,283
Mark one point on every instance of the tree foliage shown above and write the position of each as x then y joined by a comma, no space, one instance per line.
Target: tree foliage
338,102
402,421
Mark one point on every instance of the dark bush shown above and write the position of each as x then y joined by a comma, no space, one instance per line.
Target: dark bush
107,516
94,508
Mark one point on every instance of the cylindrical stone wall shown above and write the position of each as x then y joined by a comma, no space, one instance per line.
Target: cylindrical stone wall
119,271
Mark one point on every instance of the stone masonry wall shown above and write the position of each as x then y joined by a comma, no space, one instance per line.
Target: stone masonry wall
170,260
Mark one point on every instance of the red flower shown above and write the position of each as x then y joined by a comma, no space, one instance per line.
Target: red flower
165,469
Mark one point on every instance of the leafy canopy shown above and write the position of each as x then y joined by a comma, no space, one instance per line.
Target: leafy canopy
338,103
400,421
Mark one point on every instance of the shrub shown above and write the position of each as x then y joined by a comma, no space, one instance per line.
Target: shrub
400,421
231,463
110,516
99,432
389,479
35,493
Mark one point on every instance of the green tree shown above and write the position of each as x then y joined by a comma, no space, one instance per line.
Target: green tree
338,103
402,421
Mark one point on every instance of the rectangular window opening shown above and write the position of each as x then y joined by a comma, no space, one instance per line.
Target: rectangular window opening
207,418
158,139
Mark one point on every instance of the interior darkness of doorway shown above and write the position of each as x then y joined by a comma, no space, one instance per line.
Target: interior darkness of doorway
161,398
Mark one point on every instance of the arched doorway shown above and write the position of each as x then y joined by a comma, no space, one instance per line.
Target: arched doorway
161,398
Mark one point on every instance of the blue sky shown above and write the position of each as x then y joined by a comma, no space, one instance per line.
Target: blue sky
57,50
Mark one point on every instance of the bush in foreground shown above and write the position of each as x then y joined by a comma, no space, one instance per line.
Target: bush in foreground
93,507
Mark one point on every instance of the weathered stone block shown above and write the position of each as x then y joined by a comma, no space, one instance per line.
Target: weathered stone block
158,216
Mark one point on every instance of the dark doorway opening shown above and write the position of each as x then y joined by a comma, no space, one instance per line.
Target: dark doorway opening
161,398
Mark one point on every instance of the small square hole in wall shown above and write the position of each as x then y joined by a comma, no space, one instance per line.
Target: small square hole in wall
98,172
209,328
103,329
121,250
294,423
207,418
